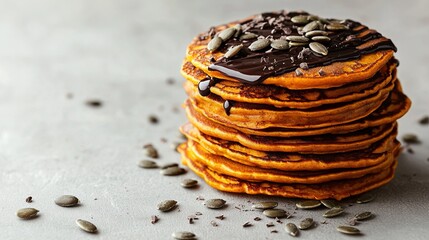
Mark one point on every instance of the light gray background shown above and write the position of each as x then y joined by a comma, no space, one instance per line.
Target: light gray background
122,52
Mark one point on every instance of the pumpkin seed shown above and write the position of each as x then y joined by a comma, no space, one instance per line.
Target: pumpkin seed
67,201
215,203
86,226
264,205
333,212
410,138
189,183
318,48
237,28
259,44
308,204
167,205
214,44
306,224
291,229
280,44
311,26
348,230
316,33
226,34
312,17
300,39
365,198
248,35
297,44
300,19
275,213
363,216
168,165
173,171
330,203
147,164
183,235
336,27
233,51
321,39
424,120
151,151
27,213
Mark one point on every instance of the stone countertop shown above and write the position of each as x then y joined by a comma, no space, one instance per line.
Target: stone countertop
56,55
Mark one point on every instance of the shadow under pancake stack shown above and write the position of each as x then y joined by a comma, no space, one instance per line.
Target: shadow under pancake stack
292,104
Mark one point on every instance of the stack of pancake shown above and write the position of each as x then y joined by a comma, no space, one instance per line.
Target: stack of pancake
292,104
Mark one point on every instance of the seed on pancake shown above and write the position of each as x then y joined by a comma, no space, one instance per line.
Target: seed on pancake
214,44
86,226
27,213
168,165
410,138
300,19
264,205
215,203
308,204
248,36
312,17
330,203
167,205
318,48
321,72
298,72
300,39
297,44
365,198
333,212
336,27
173,171
151,151
311,26
348,230
237,28
424,120
291,229
183,235
275,213
280,44
226,34
233,51
189,183
321,39
67,201
147,164
212,32
306,224
303,65
363,216
316,33
259,44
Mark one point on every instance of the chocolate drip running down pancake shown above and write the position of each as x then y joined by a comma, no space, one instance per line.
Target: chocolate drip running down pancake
294,105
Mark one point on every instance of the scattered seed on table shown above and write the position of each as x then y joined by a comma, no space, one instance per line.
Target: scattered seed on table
189,183
172,171
168,165
363,216
86,226
247,224
275,213
348,230
151,151
365,198
264,205
154,219
257,219
167,205
291,229
308,204
330,203
410,138
183,235
153,119
333,212
424,120
27,213
270,224
147,164
215,203
94,103
220,217
306,224
67,201
29,199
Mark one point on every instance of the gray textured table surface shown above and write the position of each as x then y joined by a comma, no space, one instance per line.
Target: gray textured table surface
122,52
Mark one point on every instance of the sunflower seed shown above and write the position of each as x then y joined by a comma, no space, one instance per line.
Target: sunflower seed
306,224
167,205
321,39
168,165
410,138
280,44
147,164
298,72
183,235
316,33
318,48
214,44
247,224
291,229
348,230
154,219
336,27
308,204
424,120
173,171
264,205
330,203
233,51
310,26
297,44
67,201
300,39
215,203
363,216
333,212
248,36
151,151
189,183
86,226
259,44
29,199
275,213
226,34
303,65
27,213
365,198
300,19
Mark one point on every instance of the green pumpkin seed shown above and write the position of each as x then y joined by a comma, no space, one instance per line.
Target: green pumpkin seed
333,212
363,216
297,44
316,33
306,224
189,183
86,226
237,28
312,17
348,230
226,34
365,198
300,39
248,36
311,26
173,171
183,235
167,205
67,201
321,39
300,19
215,203
147,164
275,213
259,44
308,204
264,205
330,203
233,51
318,48
214,44
291,229
280,44
410,138
336,27
27,213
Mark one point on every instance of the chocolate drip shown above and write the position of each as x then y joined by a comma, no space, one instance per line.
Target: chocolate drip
227,105
205,85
